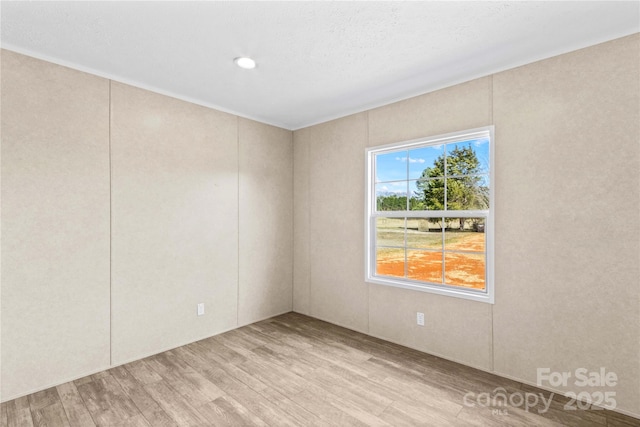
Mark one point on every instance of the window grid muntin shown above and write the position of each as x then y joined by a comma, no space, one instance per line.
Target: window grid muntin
444,177
443,251
373,213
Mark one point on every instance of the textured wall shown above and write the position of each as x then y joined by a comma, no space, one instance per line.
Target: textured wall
105,264
174,222
567,230
450,332
301,239
567,234
55,223
335,289
266,218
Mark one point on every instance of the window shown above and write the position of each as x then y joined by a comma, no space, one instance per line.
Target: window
430,214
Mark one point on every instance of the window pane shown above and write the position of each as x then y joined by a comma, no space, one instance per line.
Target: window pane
424,233
426,194
432,184
391,166
465,270
390,232
468,157
468,193
426,162
425,266
464,234
391,196
390,262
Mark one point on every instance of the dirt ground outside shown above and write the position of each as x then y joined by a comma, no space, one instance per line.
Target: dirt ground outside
424,258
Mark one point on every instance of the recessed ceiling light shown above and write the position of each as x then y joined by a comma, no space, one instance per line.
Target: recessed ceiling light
245,62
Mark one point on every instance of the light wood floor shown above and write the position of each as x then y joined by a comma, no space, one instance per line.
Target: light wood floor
291,370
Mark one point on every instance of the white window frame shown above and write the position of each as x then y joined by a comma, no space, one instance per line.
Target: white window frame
371,214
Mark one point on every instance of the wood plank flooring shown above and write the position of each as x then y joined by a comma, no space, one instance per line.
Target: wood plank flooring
291,370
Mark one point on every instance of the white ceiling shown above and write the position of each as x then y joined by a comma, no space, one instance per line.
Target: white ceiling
316,60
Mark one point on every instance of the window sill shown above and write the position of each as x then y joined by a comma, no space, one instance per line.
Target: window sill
432,289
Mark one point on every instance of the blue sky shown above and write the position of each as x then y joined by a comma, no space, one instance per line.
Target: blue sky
393,166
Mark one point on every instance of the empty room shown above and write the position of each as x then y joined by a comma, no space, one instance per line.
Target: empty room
230,213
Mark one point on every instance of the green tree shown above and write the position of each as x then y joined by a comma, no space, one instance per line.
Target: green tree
392,202
464,188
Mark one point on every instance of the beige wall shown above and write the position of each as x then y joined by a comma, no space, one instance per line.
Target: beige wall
174,222
568,294
122,209
266,221
55,223
332,286
181,213
451,333
567,156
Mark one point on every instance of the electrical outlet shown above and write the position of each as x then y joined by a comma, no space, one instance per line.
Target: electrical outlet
200,309
420,319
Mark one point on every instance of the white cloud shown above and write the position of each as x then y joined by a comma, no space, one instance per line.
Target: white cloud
397,188
479,142
411,160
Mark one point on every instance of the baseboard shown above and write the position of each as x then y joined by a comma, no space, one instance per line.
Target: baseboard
143,356
17,396
564,393
480,368
271,316
106,368
351,328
